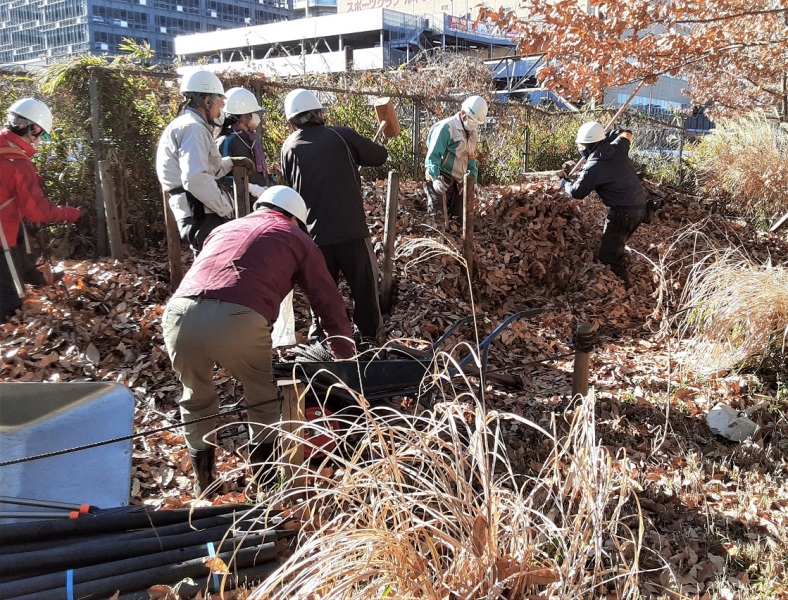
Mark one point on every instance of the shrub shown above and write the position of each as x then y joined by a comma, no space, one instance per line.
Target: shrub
735,313
745,163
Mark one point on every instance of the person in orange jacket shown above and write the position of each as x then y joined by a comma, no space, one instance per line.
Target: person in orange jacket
21,195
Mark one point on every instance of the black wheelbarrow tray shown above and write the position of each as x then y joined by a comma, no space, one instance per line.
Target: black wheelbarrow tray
338,382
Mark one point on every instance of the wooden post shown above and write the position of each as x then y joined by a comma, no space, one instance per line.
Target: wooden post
173,245
389,235
294,416
583,345
113,224
241,191
95,119
468,203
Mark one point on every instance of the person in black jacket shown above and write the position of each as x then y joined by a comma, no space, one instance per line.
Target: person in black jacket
322,164
609,172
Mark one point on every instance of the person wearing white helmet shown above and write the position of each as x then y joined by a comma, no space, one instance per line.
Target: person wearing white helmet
609,172
188,162
223,310
21,197
451,152
239,136
322,164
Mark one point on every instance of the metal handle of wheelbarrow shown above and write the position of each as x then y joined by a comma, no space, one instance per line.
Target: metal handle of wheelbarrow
484,346
430,352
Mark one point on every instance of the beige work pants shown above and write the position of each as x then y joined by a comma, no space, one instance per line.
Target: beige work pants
201,332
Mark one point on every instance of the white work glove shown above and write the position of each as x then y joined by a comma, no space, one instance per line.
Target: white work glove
256,190
440,186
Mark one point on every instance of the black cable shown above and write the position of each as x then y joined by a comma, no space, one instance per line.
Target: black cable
131,436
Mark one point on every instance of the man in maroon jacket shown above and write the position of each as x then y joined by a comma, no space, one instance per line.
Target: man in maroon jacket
21,195
224,309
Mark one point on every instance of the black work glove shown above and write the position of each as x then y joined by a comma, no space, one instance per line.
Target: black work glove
242,161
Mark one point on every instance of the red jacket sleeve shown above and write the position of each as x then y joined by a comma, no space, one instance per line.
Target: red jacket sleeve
30,197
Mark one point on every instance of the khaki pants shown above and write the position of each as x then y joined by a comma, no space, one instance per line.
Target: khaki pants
201,332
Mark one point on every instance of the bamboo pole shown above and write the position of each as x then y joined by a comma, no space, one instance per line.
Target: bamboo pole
389,236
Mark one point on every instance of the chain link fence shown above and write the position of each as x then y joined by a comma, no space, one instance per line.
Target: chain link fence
117,115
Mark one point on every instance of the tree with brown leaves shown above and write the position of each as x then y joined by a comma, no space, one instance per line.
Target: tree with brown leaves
733,53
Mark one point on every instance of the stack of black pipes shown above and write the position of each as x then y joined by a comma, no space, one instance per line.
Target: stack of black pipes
131,549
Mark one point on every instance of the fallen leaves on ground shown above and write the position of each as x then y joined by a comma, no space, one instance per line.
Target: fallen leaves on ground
713,509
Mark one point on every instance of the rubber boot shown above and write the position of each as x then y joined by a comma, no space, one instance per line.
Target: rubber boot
261,457
261,453
621,271
202,463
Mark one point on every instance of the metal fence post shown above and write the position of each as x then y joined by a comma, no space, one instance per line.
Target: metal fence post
95,116
416,139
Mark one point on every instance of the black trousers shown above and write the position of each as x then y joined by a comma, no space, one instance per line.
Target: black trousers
453,199
620,224
356,261
26,270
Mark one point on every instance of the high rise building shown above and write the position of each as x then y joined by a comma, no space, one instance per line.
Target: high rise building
40,31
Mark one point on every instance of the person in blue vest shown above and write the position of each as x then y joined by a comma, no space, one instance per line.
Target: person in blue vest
451,152
239,137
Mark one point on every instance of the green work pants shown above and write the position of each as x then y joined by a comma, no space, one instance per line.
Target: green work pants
200,332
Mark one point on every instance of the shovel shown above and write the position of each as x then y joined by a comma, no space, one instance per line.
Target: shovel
387,117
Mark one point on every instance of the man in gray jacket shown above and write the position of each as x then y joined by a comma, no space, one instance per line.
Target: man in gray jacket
188,162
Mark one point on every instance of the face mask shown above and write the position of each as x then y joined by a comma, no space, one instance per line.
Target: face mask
585,152
470,124
219,121
254,121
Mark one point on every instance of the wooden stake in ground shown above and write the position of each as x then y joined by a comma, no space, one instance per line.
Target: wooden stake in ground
111,209
468,203
173,245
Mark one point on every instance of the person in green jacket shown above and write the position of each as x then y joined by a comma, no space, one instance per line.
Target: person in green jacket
451,146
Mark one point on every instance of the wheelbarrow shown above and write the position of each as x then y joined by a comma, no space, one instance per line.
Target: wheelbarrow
334,386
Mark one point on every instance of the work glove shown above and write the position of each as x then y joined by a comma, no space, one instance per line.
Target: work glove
256,190
440,186
242,161
71,214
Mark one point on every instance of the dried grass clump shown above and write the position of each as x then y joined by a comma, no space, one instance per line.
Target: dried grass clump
428,506
735,312
746,161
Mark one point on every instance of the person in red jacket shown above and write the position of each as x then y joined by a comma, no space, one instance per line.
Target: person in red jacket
21,194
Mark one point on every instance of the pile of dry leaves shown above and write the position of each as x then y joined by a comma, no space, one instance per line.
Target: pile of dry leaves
533,250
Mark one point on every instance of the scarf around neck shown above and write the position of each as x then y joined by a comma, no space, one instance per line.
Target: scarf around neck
253,141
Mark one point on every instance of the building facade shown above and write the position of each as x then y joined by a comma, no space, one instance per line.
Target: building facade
40,31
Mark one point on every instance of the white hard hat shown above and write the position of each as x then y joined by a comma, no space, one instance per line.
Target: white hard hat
33,110
281,196
300,101
202,82
475,107
239,101
590,133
